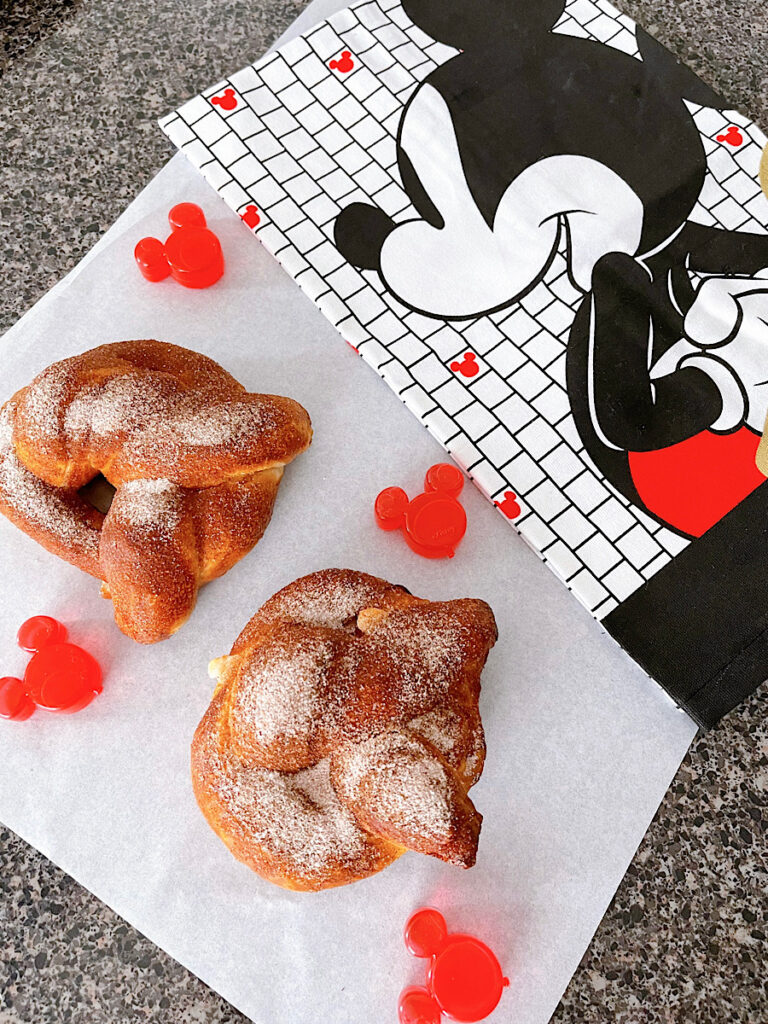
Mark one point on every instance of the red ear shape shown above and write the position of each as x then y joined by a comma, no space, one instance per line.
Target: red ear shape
425,933
416,1006
14,702
444,478
390,508
39,631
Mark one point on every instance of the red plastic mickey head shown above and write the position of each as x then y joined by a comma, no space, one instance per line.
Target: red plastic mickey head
434,522
733,136
191,255
468,366
59,677
344,64
227,101
464,981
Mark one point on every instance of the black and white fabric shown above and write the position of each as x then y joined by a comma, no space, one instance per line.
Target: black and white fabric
550,239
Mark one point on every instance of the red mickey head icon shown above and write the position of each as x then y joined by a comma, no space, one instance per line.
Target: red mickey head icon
227,101
59,676
191,255
509,506
733,136
344,64
468,366
464,981
435,521
250,216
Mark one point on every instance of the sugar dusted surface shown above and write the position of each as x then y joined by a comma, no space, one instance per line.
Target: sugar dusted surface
297,818
405,786
325,600
427,642
149,505
392,770
279,693
45,401
441,727
35,502
151,408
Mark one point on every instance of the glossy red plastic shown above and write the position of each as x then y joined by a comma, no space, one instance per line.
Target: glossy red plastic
425,933
435,522
444,478
195,257
62,677
465,981
191,255
14,702
390,507
38,632
186,215
59,677
150,258
417,1006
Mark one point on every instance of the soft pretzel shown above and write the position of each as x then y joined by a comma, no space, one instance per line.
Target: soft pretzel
195,461
344,730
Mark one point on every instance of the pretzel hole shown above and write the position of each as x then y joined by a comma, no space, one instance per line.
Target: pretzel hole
350,626
99,493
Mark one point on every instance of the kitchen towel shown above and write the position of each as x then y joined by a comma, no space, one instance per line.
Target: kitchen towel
549,238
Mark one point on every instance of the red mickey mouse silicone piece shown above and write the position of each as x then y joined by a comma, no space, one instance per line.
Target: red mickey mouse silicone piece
59,677
464,981
435,521
191,255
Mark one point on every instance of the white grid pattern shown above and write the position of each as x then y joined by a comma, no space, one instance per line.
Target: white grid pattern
304,141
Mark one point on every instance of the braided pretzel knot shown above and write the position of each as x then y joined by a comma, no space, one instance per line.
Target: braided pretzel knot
195,459
344,730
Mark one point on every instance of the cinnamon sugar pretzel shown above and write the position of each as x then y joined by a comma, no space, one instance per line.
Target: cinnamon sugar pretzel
195,461
344,730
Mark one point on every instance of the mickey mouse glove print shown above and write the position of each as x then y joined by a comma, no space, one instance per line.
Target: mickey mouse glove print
728,325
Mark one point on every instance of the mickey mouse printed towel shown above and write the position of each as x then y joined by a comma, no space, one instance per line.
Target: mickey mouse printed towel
550,239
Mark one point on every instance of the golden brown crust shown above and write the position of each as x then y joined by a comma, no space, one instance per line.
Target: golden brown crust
344,730
195,459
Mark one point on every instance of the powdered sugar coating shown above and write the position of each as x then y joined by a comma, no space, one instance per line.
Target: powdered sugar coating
193,461
152,410
395,776
144,408
280,692
149,505
369,701
296,817
50,510
327,599
46,402
443,728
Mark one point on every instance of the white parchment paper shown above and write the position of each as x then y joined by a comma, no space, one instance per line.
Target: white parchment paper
581,744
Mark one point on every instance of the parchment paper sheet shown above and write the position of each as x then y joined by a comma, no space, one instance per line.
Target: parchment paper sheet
582,745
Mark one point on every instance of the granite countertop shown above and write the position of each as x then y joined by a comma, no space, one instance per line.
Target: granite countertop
81,84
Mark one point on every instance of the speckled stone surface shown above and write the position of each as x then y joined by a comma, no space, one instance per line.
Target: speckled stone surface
685,939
